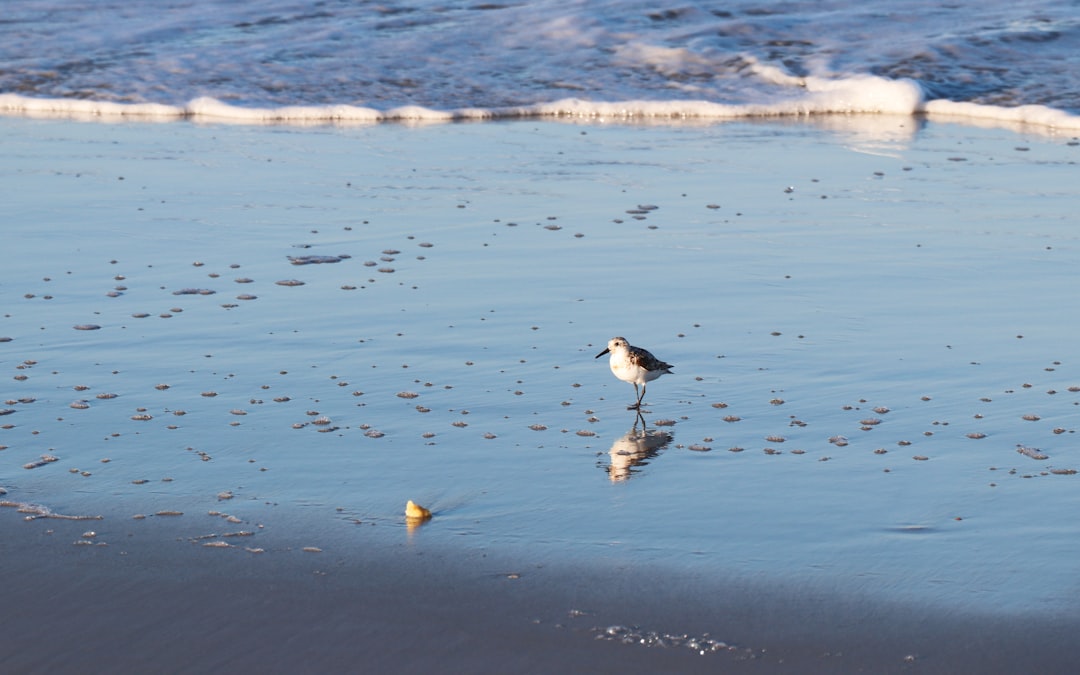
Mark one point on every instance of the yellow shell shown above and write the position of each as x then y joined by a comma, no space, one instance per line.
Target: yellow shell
415,511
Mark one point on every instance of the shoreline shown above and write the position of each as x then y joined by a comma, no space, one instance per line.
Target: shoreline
830,269
906,105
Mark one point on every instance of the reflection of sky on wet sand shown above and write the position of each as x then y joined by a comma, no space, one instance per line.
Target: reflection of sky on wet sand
914,300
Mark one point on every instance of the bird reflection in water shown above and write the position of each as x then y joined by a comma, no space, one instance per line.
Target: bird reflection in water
634,449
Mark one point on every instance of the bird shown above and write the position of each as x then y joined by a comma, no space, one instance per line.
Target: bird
634,365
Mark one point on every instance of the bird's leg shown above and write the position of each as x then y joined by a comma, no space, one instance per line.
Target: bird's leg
639,398
636,406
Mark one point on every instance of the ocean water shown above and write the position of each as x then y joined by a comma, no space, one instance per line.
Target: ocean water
281,60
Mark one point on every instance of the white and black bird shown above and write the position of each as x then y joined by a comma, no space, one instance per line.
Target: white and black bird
634,365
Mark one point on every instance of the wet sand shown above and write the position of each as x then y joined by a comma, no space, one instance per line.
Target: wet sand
245,348
172,606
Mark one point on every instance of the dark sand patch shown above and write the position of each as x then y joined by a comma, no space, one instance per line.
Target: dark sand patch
155,603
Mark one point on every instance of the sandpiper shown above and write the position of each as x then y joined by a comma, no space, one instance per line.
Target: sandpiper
635,365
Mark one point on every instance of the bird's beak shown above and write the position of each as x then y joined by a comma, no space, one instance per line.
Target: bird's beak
601,353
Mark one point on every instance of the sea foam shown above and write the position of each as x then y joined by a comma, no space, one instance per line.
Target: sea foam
810,96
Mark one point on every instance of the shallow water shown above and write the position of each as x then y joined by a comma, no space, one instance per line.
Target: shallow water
499,57
824,295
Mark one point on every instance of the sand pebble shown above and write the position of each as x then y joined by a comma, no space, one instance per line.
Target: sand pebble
194,291
289,282
87,326
313,259
1033,453
45,459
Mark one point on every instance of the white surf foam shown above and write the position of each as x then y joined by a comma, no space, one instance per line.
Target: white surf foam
812,96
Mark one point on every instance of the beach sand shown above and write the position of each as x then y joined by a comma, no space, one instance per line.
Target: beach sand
168,606
798,275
